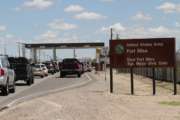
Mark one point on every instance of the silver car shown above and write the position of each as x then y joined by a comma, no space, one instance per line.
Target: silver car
7,76
40,70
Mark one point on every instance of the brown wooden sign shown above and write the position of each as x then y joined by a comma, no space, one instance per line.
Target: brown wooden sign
153,52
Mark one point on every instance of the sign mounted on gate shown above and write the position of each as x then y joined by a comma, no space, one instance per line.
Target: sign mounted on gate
151,52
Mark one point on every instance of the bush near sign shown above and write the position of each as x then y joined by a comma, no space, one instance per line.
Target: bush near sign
152,52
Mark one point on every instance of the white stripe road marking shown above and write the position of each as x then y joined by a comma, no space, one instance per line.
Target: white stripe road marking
47,92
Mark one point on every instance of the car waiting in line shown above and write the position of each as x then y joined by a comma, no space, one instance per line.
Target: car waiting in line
40,70
71,66
7,76
22,68
50,67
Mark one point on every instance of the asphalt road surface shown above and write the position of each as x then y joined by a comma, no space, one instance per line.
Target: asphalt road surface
49,83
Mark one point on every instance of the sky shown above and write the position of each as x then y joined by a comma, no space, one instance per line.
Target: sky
37,21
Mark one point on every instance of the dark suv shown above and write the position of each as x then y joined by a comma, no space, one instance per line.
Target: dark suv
22,68
70,66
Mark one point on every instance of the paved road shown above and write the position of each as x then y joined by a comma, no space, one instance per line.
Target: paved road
41,85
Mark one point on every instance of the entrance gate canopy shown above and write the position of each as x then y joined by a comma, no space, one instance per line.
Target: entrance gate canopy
64,45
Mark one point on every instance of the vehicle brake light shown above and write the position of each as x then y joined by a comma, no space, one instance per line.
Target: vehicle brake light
77,65
2,72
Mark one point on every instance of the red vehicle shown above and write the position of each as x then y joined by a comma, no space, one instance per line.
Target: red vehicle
71,66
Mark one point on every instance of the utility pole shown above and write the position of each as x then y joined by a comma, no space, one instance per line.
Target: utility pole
111,69
74,53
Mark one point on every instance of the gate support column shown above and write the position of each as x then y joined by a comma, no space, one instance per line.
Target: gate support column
54,54
34,55
23,51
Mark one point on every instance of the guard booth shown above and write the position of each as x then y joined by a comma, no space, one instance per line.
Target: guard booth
34,47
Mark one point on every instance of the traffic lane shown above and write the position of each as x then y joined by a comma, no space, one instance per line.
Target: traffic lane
21,86
52,83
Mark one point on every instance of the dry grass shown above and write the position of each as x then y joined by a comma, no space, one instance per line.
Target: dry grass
170,103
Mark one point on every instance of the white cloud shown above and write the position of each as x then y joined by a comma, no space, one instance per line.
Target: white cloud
177,24
144,32
49,36
89,16
118,27
70,39
169,7
74,8
37,4
107,0
9,36
160,29
142,16
54,37
59,24
178,8
3,28
17,8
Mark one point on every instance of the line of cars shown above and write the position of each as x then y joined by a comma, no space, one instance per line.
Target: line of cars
13,69
43,69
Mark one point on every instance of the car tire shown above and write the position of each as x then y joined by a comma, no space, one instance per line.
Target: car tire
5,90
32,80
62,75
29,81
42,76
13,89
79,75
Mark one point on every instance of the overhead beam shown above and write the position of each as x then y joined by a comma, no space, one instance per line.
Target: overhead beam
65,45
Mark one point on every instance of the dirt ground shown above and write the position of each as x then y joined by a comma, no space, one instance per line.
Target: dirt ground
94,102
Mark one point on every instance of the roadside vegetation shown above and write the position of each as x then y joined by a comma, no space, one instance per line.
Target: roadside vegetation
170,103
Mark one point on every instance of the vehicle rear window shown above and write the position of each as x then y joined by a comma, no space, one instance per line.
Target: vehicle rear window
4,62
19,60
37,66
43,66
70,60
